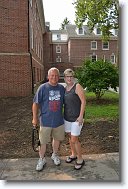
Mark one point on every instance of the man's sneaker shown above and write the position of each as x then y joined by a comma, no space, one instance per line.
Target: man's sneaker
56,159
40,164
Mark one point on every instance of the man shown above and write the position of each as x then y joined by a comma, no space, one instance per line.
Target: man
49,100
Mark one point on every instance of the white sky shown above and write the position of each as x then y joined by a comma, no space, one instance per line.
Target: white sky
56,11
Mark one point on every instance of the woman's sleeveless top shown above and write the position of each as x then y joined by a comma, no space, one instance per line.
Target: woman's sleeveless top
72,105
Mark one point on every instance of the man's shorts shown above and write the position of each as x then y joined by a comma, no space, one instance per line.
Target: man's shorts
72,127
46,133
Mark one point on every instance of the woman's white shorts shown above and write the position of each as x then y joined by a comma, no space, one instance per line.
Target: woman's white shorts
72,127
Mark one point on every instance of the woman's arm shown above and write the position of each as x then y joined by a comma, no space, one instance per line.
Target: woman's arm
81,93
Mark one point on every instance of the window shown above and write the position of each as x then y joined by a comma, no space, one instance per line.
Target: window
80,31
93,44
31,37
112,59
98,31
58,49
104,58
58,59
58,37
105,45
30,2
34,75
94,58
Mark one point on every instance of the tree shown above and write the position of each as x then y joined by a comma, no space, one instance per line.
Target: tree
101,13
64,23
98,76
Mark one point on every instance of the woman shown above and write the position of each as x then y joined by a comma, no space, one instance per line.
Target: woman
74,107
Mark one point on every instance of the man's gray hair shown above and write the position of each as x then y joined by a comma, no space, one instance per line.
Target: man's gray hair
52,69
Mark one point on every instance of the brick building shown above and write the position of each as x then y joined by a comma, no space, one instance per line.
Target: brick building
28,48
69,47
21,46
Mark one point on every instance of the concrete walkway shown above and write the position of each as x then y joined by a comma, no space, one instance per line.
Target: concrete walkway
97,168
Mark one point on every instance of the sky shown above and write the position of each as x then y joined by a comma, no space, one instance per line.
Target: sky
56,11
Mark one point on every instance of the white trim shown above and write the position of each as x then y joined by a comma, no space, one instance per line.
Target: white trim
58,49
103,45
95,47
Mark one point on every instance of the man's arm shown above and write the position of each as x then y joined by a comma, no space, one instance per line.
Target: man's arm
35,108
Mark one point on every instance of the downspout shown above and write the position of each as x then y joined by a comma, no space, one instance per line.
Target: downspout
32,84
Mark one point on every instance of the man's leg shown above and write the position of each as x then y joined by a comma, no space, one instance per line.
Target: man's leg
55,145
44,136
42,150
58,135
42,161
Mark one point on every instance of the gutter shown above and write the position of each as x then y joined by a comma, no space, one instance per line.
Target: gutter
32,84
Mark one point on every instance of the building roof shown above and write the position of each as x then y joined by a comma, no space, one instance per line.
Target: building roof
72,32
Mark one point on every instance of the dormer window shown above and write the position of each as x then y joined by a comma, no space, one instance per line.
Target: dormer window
80,31
98,31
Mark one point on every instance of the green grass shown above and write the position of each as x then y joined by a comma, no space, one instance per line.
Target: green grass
105,109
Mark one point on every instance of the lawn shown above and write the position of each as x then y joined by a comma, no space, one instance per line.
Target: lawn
107,108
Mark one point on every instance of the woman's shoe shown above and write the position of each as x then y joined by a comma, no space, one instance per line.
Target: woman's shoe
78,166
70,159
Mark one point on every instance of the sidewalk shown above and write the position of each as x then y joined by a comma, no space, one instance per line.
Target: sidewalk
97,168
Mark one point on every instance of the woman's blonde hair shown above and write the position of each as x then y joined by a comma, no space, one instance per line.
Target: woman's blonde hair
68,71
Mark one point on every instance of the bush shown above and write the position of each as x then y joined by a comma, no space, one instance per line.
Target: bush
98,76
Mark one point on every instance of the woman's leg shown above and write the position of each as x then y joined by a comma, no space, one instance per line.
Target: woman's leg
77,146
72,146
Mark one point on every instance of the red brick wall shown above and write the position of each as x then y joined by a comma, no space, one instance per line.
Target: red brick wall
15,65
15,61
15,76
81,49
13,26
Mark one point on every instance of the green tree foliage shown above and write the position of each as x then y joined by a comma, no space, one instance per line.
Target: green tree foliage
101,13
64,23
98,76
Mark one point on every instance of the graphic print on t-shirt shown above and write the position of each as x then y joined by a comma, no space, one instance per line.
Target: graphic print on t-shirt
54,100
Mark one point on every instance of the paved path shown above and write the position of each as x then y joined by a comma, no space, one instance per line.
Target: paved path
98,167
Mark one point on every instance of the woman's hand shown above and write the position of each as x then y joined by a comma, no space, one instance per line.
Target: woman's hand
80,120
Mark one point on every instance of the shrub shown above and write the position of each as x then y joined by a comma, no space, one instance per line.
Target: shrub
98,76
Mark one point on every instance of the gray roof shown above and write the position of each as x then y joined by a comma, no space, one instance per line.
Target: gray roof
71,31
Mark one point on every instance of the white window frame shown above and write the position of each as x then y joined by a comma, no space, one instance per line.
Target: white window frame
78,31
31,37
95,45
58,49
113,59
92,57
58,59
103,43
30,2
